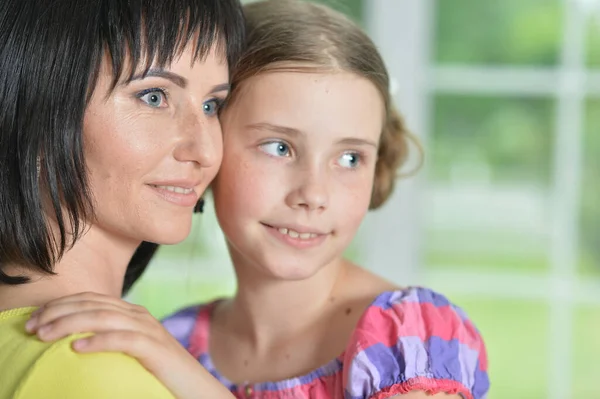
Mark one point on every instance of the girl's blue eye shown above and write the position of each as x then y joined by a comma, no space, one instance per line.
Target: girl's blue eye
276,148
155,98
212,107
349,160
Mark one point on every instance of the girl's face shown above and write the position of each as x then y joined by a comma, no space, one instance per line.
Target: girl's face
153,145
298,169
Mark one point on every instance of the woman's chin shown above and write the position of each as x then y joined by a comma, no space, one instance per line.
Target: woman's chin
169,234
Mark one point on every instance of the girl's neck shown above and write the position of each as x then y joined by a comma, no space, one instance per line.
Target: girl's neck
267,310
276,329
96,263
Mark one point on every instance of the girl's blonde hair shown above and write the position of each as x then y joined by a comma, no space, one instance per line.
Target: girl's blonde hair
302,36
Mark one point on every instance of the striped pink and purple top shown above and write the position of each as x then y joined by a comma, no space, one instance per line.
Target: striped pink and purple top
406,340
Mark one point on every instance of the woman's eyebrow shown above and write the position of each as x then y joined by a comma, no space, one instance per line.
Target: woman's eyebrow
177,79
161,73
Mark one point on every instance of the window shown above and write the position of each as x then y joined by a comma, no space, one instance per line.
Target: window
508,206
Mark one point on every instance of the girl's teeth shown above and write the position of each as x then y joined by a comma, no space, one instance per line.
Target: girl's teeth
295,234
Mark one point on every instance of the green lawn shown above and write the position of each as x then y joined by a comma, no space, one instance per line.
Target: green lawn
516,336
586,363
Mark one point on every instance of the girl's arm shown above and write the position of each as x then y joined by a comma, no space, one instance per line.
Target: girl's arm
119,326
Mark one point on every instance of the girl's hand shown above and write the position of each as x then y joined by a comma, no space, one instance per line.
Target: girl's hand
119,326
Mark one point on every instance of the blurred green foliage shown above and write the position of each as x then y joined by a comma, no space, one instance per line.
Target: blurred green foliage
521,32
514,136
590,207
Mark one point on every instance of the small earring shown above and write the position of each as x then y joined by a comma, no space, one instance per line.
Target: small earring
199,208
38,166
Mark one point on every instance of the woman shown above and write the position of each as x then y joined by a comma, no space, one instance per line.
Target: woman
109,135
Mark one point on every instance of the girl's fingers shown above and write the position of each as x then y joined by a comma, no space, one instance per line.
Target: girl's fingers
80,303
94,321
48,315
94,297
135,344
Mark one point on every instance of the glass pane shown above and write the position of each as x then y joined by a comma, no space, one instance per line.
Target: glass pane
499,140
353,8
593,41
590,207
586,352
498,32
489,168
517,356
163,292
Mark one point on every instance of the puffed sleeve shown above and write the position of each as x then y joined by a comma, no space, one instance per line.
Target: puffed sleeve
415,340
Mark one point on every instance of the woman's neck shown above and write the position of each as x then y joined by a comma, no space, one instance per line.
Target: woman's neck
96,263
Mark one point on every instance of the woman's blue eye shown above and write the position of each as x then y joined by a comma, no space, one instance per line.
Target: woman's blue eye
349,160
212,107
155,98
276,148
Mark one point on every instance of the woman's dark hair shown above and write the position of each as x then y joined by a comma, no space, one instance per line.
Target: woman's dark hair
138,263
50,55
143,255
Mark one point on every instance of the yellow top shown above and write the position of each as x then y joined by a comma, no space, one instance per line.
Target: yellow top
32,369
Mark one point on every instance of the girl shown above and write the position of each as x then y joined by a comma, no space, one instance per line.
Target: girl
312,142
108,136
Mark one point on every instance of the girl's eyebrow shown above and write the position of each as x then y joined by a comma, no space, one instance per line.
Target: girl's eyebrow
293,132
357,141
285,130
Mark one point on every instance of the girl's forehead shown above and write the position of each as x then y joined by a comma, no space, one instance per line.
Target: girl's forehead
289,83
326,104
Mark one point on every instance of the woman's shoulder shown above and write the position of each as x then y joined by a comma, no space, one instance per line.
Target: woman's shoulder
56,370
416,339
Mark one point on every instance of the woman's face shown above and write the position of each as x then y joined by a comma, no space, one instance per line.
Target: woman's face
153,145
